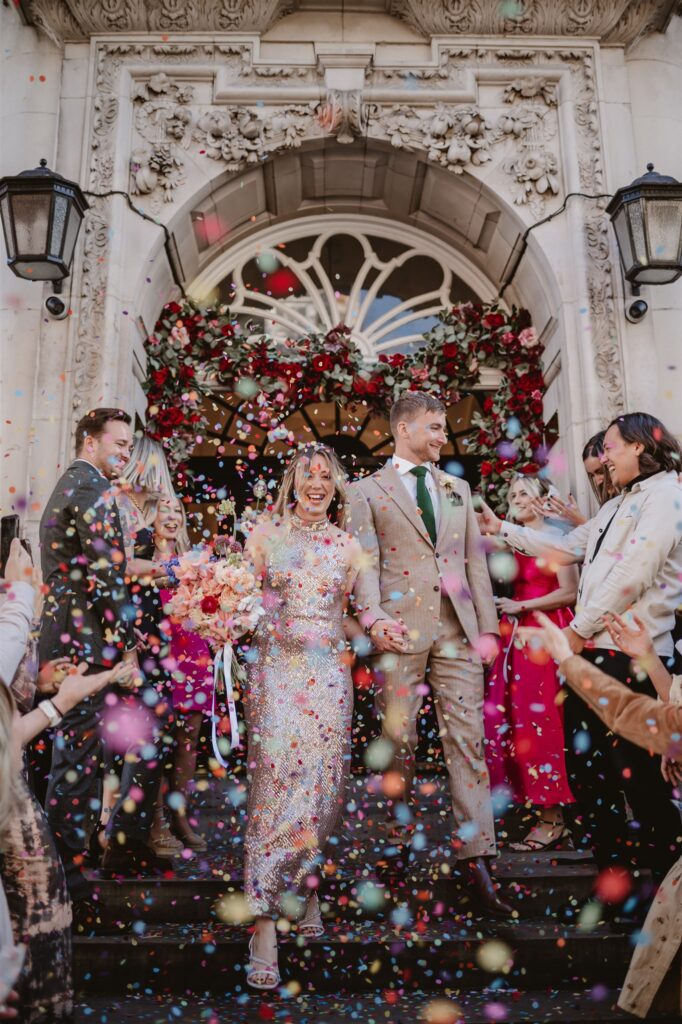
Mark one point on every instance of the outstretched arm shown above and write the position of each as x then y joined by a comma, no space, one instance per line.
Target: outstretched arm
638,718
565,550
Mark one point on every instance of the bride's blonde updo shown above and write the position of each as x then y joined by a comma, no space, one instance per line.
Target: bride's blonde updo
286,498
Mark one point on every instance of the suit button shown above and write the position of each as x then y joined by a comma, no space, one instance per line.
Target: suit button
437,555
436,588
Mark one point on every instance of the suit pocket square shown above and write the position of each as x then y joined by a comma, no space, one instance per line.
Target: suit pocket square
455,499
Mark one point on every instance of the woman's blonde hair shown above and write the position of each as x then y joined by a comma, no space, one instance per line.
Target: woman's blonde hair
286,495
182,543
535,485
148,470
9,779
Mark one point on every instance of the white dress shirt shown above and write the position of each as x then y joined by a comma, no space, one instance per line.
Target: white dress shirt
403,467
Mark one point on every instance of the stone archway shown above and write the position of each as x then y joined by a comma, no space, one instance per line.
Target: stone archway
468,143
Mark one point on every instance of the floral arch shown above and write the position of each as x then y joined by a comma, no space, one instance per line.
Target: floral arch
195,353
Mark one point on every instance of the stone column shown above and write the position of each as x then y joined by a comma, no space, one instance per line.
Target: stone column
654,76
29,116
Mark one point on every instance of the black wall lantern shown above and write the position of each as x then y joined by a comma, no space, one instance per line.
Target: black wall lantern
41,218
647,219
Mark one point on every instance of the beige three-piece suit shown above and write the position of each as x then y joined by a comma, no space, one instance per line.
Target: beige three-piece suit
442,593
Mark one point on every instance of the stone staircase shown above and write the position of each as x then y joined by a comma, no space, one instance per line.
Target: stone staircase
175,949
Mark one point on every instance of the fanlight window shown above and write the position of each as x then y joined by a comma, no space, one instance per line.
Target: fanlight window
386,291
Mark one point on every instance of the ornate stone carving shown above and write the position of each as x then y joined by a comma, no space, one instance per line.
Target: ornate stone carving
531,88
536,172
70,20
453,136
517,129
153,167
611,21
344,115
607,356
87,358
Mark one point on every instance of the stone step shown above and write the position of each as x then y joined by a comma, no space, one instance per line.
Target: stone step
510,1006
370,956
537,885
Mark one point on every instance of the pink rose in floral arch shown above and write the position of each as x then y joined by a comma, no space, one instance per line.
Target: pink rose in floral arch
528,338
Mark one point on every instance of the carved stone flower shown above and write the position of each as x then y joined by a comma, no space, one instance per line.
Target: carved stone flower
214,122
177,123
159,83
540,168
184,93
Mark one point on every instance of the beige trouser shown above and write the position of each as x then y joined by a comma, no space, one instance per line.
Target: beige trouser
455,674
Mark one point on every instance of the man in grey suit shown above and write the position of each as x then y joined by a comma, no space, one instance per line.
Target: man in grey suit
88,616
425,599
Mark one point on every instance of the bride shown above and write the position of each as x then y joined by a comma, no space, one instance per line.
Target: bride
299,699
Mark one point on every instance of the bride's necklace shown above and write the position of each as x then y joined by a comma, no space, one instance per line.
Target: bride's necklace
311,527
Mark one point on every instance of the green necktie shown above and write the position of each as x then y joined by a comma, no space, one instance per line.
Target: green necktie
424,503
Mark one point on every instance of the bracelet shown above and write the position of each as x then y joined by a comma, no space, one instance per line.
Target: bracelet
52,713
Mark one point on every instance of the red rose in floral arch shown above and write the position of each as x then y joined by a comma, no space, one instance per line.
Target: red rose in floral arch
192,349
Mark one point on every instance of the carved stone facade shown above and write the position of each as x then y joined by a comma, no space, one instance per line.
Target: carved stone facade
481,109
610,21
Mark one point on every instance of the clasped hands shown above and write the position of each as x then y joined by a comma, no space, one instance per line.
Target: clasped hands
388,635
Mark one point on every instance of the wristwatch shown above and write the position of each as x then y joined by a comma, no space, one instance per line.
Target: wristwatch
53,716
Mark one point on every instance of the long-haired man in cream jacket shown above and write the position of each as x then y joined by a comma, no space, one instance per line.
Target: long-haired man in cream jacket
632,560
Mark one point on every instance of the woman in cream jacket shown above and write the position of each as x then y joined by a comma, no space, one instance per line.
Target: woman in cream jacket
654,980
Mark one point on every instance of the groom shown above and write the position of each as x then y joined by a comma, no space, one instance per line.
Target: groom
424,598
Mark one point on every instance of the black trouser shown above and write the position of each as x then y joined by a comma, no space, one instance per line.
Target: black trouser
605,770
74,792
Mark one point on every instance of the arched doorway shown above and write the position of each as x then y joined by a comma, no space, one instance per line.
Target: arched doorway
385,280
299,211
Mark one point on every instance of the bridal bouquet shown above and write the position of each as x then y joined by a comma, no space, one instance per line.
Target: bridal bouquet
220,599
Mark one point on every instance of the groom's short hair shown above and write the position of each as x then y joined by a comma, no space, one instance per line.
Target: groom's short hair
412,404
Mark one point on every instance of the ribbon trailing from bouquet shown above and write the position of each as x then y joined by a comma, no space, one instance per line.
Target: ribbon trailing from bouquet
222,675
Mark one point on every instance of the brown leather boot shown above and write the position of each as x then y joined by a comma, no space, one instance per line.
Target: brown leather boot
481,887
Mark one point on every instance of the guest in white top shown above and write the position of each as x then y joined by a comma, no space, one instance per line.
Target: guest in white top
632,555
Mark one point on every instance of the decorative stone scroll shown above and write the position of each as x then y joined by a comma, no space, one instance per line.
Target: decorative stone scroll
610,21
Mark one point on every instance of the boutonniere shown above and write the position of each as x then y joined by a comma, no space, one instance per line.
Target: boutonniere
448,485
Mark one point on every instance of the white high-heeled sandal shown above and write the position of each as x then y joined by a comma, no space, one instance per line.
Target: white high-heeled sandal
311,926
259,973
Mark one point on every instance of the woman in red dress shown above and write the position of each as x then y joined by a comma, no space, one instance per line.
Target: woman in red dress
523,721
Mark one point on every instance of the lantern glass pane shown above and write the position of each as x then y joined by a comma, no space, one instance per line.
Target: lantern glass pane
74,223
61,208
656,275
7,227
637,232
31,219
664,217
38,270
621,225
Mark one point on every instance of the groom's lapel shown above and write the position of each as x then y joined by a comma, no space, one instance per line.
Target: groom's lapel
447,511
389,481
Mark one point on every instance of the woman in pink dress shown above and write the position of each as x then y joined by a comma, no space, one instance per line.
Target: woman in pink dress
523,721
189,667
